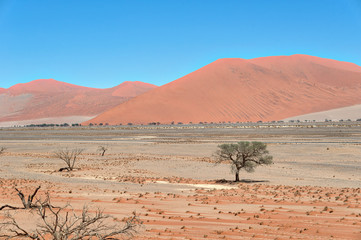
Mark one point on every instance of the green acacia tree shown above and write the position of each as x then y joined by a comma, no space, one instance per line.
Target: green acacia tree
243,155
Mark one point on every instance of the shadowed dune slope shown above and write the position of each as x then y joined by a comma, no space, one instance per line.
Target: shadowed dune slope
269,88
48,98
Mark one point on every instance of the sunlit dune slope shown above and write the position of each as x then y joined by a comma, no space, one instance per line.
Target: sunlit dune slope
268,88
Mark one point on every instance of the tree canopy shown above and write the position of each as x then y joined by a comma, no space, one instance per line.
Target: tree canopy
244,155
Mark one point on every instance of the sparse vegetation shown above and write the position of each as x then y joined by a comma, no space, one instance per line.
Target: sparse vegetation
52,125
105,183
243,155
69,156
2,150
102,150
26,204
63,223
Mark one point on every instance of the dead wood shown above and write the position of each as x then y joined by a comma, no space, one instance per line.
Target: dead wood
26,204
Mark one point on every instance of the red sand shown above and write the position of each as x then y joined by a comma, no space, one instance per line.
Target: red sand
269,88
50,98
251,211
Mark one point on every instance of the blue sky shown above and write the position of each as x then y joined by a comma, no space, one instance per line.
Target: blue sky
103,43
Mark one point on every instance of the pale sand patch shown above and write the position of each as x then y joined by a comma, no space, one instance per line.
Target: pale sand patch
351,112
207,186
11,105
53,120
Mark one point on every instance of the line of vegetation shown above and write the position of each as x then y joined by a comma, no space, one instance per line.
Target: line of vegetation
53,125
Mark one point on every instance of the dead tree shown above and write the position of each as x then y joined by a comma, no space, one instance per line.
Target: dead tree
2,149
102,150
63,223
15,231
26,204
69,156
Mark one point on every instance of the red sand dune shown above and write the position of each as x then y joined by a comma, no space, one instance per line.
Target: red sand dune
268,88
46,98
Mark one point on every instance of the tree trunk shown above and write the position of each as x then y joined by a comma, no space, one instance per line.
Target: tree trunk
237,177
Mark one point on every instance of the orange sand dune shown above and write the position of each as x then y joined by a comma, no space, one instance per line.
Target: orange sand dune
44,85
131,89
48,98
269,88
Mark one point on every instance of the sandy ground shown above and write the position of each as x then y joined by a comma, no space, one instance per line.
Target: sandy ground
168,176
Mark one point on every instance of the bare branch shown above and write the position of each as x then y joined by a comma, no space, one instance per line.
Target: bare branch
2,150
30,198
64,223
8,206
10,229
26,204
102,150
69,156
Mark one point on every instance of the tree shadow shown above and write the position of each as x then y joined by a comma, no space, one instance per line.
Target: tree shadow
252,181
240,181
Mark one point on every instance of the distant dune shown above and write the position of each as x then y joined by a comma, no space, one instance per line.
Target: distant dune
266,89
50,99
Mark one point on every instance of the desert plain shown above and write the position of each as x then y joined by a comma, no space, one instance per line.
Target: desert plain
168,176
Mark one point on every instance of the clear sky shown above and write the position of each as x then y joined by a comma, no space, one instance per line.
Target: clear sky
103,43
